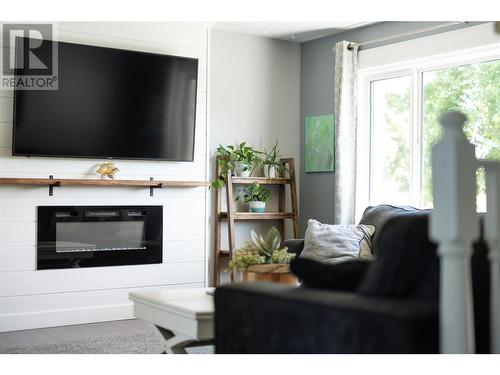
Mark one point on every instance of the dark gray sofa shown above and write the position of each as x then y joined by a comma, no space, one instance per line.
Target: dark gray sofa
390,306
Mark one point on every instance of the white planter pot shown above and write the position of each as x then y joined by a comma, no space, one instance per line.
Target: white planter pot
257,206
240,169
270,172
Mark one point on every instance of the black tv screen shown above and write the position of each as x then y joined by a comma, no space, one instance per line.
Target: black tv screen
110,103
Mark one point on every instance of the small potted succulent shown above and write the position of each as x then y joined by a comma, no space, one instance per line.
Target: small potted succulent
271,164
263,258
256,197
240,160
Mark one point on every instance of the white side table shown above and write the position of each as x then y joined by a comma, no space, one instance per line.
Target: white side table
184,317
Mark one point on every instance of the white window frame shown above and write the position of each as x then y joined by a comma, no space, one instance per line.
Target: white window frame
415,68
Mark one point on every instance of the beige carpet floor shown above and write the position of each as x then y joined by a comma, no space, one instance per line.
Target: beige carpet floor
133,336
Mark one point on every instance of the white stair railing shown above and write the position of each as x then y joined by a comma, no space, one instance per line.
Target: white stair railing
454,225
492,235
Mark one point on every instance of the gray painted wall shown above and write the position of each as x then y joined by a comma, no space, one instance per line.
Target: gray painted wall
317,194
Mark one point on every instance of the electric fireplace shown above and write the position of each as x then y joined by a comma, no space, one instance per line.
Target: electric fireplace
97,236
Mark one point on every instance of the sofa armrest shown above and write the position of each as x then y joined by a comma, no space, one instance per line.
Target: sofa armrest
273,318
294,245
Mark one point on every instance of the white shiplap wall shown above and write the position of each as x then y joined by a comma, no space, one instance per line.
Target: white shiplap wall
30,298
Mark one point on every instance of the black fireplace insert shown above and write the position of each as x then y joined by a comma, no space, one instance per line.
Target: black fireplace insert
97,236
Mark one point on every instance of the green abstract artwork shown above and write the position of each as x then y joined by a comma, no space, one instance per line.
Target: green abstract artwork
319,144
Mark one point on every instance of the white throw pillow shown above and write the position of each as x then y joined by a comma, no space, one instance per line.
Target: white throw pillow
336,243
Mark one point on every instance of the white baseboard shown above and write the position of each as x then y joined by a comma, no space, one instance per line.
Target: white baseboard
43,319
52,310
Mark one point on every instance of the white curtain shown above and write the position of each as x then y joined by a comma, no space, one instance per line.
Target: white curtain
346,67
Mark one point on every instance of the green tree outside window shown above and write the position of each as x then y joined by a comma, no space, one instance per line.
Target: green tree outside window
473,89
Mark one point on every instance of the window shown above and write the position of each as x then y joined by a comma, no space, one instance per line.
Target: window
403,123
391,140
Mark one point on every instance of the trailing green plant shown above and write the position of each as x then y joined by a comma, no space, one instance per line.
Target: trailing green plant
272,159
255,193
228,157
260,250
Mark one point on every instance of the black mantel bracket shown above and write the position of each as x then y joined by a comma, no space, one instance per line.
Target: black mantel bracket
51,185
151,188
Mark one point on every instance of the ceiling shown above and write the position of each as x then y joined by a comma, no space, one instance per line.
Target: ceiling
291,31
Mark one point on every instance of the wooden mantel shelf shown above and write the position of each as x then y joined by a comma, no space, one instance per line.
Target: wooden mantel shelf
58,182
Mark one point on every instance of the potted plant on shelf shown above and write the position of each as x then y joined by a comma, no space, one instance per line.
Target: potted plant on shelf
246,159
263,258
271,163
256,197
241,160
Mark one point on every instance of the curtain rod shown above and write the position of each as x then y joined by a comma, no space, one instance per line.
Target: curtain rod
405,34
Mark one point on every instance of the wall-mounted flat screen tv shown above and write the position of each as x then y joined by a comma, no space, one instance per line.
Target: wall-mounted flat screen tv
110,103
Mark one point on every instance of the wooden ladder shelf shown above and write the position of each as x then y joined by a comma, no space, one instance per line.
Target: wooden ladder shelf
231,216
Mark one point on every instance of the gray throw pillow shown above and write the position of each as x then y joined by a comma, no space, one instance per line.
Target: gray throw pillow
336,243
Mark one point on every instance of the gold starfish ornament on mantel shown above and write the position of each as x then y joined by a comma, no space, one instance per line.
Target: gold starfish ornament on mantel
107,170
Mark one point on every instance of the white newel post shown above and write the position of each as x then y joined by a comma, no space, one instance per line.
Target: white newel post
454,225
492,229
